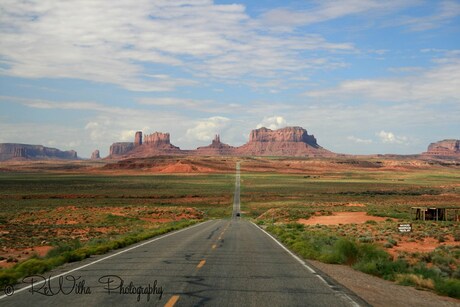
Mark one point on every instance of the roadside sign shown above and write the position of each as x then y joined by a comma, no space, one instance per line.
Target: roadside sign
405,227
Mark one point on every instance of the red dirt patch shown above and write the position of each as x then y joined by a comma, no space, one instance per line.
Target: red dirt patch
355,205
341,218
425,246
22,254
183,167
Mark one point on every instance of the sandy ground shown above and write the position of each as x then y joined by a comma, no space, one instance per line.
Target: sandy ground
341,218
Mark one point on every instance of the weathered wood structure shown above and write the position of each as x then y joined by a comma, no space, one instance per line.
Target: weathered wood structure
435,213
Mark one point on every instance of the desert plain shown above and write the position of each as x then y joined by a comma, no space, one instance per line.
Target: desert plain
336,210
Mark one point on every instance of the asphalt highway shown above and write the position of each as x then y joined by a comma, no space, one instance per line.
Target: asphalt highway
227,262
236,195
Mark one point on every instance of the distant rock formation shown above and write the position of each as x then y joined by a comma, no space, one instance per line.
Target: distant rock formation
138,139
11,151
288,134
95,155
444,148
158,139
120,148
216,148
290,141
154,144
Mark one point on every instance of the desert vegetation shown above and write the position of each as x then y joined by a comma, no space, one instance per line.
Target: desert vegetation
351,217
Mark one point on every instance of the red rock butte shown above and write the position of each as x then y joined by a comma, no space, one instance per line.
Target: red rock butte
444,148
14,151
289,141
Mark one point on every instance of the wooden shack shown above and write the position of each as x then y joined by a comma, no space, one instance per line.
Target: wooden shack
435,213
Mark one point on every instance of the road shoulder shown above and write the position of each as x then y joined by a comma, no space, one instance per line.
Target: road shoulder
379,292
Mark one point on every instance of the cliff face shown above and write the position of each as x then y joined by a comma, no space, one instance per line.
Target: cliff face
10,151
95,155
120,148
138,139
157,139
444,148
289,141
288,134
154,144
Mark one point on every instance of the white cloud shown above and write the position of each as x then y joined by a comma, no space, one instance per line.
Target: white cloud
390,137
359,140
273,122
206,129
171,101
444,13
438,84
70,105
127,135
286,19
405,69
130,44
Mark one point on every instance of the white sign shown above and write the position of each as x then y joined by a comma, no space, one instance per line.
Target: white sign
405,227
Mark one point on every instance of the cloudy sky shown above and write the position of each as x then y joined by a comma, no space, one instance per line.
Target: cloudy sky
363,76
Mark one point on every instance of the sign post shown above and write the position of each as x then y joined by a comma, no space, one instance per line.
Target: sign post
404,227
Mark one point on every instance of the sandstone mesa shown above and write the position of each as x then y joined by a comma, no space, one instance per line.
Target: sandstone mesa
289,141
13,151
444,148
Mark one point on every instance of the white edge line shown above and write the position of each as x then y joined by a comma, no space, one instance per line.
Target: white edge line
105,258
342,294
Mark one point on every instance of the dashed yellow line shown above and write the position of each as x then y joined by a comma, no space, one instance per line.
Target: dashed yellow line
173,300
200,265
220,236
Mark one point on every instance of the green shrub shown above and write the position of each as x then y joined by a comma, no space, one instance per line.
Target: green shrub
63,247
371,259
392,241
414,280
366,239
8,278
343,251
32,266
450,287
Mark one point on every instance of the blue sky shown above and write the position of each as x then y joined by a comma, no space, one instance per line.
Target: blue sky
363,76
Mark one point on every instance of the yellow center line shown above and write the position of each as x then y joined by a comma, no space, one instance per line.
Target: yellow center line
173,300
220,236
200,265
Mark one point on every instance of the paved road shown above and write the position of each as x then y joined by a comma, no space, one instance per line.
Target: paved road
228,262
236,195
